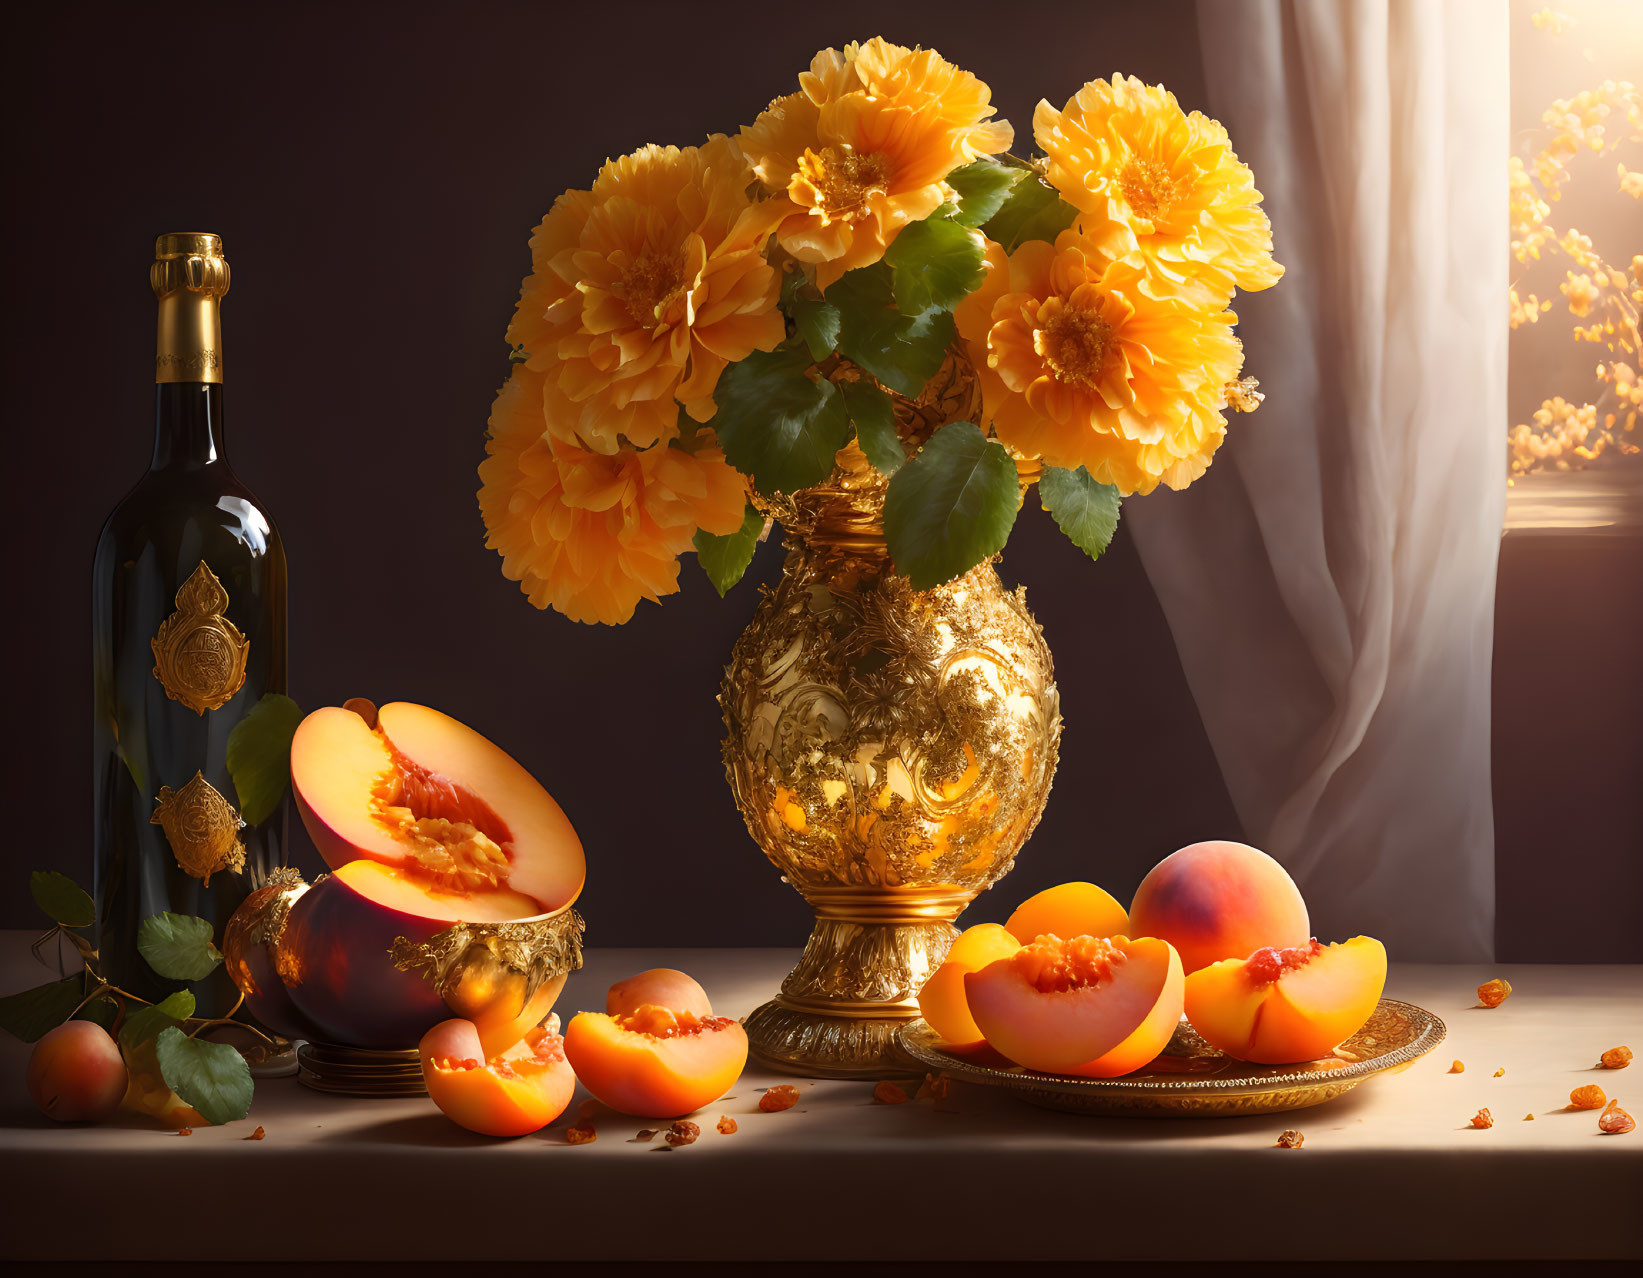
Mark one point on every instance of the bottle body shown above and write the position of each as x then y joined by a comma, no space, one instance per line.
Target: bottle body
188,634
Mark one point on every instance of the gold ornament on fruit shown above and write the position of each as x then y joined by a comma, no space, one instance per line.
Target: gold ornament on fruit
202,828
200,655
481,969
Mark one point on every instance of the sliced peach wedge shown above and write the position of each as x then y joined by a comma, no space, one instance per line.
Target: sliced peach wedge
514,1093
1280,1006
1089,1005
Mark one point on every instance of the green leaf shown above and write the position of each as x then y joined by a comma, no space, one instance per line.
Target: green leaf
35,1012
259,755
982,188
146,1022
1032,211
212,1077
177,946
1083,509
63,900
776,422
934,265
725,559
875,419
902,351
816,320
950,507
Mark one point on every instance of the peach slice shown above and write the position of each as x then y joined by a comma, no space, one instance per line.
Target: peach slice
1068,909
1064,1006
654,1061
1286,1005
942,1001
460,823
514,1093
1219,900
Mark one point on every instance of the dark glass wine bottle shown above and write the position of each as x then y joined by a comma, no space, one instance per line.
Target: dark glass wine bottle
188,634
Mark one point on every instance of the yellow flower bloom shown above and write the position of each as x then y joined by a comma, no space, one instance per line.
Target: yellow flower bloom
587,533
1089,361
1631,181
1581,292
1146,175
644,288
863,148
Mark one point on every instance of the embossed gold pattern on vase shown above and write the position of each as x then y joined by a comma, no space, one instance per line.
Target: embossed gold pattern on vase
200,655
891,750
202,828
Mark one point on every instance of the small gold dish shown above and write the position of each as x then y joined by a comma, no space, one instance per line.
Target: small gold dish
1194,1080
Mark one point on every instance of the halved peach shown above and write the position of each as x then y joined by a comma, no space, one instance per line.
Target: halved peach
942,1001
1068,909
1219,900
514,1093
456,818
654,1061
1063,1006
1285,1005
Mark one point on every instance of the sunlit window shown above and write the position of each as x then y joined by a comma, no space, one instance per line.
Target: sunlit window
1575,435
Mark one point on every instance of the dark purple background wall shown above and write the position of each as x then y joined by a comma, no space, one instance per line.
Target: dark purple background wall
375,171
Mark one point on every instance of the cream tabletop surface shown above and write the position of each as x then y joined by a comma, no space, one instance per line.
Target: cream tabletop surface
1391,1171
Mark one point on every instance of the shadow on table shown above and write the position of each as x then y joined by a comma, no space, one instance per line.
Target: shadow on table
431,1130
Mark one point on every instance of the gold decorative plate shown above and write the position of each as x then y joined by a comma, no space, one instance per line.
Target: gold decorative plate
1192,1079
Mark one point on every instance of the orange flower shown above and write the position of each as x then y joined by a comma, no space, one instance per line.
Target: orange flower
644,288
1146,175
863,149
590,534
1088,361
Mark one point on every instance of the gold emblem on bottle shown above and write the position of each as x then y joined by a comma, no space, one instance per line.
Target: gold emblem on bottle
202,827
200,655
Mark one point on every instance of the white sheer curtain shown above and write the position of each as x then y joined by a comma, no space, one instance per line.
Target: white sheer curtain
1330,583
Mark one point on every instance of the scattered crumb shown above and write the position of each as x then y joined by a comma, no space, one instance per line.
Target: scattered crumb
1588,1097
1615,1121
934,1087
1291,1139
1483,1118
580,1134
779,1098
1616,1058
185,1131
888,1093
1494,993
647,1133
257,1135
1500,1073
682,1133
1528,1118
1457,1068
727,1125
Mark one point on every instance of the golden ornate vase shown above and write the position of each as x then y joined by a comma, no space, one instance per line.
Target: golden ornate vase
891,750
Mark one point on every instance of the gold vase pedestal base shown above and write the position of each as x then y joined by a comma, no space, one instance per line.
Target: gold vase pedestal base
355,1071
856,984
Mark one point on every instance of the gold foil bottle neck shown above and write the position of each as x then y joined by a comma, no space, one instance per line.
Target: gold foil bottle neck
190,278
189,261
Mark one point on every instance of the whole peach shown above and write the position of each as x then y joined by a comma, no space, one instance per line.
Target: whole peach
1219,900
76,1074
